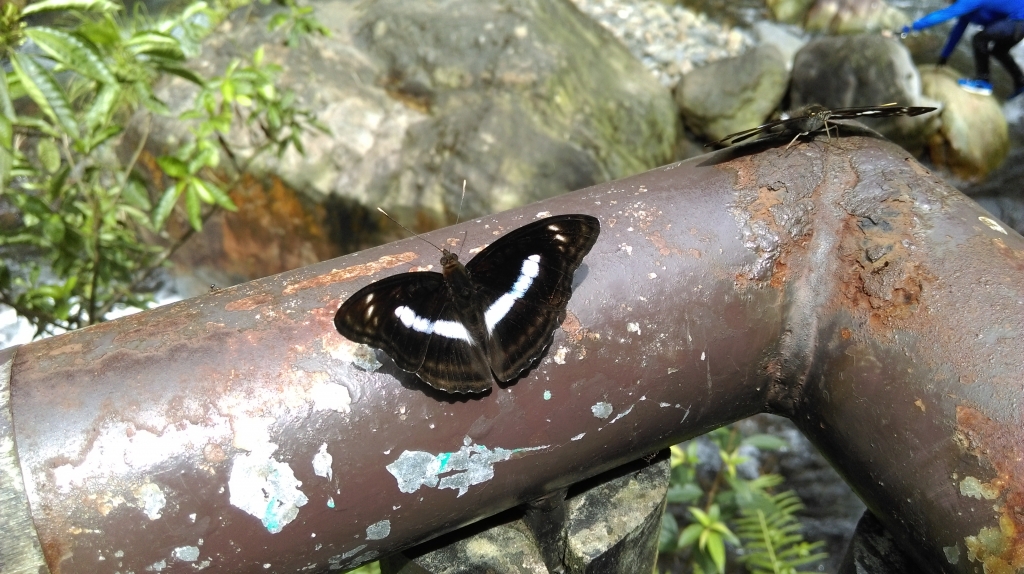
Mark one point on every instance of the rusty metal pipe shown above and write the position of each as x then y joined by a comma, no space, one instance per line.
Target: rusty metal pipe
840,284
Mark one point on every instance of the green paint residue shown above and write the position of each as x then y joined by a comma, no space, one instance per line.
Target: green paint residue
547,395
974,488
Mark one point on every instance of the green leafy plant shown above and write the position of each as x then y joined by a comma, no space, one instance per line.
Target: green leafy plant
88,228
760,525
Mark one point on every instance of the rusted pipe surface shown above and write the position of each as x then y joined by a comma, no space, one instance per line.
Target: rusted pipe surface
840,284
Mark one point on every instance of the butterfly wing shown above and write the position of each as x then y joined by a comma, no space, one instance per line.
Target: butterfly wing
411,318
524,282
395,314
735,138
882,111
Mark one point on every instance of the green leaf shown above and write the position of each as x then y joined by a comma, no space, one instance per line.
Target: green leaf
180,71
690,535
172,166
150,42
73,53
49,155
217,194
716,549
44,90
193,207
64,5
257,56
54,230
6,108
766,442
102,105
166,205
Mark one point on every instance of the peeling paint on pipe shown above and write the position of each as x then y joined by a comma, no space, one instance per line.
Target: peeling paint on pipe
840,284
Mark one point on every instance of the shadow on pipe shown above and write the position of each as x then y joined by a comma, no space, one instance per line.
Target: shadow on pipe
841,285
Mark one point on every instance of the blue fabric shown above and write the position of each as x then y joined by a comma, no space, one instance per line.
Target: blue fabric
982,12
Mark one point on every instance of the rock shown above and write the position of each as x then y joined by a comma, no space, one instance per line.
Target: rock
523,100
733,94
839,16
785,40
864,70
853,16
974,137
789,11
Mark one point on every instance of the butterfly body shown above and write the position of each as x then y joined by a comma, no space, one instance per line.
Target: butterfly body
814,117
491,318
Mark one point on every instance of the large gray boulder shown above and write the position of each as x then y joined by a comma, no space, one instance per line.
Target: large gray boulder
864,70
974,137
524,100
733,94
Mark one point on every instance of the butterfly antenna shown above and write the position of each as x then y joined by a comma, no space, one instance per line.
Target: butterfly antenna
409,230
459,214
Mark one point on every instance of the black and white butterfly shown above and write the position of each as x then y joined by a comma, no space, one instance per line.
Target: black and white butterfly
488,319
812,118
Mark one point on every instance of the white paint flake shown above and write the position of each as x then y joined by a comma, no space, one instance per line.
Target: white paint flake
322,462
579,436
379,530
265,488
471,464
156,566
633,328
186,553
330,396
150,499
559,356
601,410
622,414
627,248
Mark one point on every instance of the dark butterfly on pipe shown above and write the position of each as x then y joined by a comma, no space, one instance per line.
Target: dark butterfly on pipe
488,319
812,118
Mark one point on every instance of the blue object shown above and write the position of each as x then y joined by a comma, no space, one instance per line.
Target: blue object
980,87
1016,93
982,12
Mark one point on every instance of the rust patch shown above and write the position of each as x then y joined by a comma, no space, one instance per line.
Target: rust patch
73,348
574,330
1000,548
662,245
249,303
845,333
354,272
879,277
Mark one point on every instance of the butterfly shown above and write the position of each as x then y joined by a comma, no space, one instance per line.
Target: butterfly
814,117
488,319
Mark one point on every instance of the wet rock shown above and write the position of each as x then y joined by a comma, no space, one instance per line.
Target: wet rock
864,70
853,16
523,100
974,137
784,38
753,87
839,16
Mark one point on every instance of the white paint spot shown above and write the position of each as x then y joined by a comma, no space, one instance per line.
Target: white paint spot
186,553
652,275
202,565
360,355
379,530
992,224
543,214
664,405
150,499
251,433
622,414
471,464
627,248
672,370
156,566
265,488
559,356
702,355
579,436
330,396
633,328
601,410
322,462
497,311
192,517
